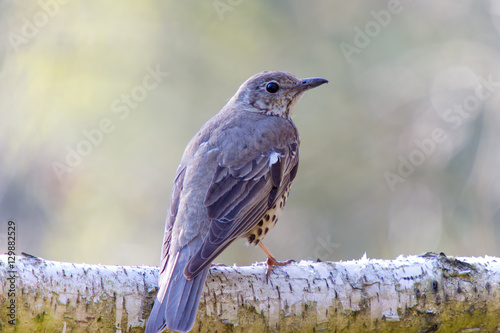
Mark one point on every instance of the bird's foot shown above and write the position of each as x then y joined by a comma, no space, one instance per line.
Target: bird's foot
217,265
272,262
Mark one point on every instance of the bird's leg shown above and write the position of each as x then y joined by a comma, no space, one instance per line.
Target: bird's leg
271,260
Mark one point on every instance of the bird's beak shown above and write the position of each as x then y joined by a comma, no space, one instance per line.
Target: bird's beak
309,83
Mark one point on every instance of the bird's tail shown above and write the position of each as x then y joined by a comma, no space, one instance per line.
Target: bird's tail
177,300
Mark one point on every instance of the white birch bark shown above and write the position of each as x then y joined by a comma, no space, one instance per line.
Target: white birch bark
409,294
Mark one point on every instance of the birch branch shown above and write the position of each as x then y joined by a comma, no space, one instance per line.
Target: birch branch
411,294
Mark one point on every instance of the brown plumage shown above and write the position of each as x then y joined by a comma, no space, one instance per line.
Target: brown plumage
232,182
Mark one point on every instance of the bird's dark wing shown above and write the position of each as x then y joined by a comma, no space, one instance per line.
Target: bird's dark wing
239,197
177,299
171,214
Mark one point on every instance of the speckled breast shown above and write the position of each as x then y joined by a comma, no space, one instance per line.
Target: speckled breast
269,220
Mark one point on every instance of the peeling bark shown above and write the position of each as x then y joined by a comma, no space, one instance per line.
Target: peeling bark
409,294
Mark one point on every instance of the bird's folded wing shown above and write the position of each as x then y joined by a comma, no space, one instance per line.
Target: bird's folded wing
171,215
239,197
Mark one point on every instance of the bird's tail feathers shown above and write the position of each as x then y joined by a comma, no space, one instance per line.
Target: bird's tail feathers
178,298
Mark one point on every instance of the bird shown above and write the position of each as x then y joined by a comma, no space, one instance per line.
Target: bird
232,182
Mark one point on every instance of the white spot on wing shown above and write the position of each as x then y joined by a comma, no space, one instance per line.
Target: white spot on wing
273,158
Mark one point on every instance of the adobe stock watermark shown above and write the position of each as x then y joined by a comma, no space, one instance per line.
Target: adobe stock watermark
11,272
325,249
31,26
223,6
416,157
456,117
363,37
121,108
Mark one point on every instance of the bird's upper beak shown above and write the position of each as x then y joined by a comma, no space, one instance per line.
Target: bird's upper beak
309,83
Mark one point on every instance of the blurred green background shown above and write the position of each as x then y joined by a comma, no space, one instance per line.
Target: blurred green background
399,154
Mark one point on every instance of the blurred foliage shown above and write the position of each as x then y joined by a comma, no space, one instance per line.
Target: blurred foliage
397,71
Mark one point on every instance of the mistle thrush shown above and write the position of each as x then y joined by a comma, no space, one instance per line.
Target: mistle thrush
232,182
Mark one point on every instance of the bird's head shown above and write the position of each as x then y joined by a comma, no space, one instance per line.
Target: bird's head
273,93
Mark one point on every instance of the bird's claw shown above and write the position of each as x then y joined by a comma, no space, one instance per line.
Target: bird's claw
272,262
217,265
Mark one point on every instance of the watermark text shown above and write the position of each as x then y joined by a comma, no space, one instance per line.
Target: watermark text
11,272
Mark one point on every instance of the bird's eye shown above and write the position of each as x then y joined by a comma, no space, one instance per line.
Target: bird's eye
272,87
